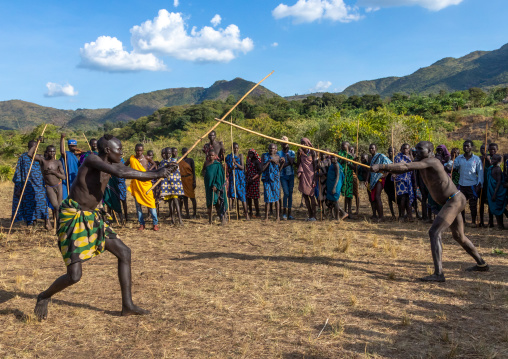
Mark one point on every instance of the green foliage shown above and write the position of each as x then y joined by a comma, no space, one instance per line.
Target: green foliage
6,173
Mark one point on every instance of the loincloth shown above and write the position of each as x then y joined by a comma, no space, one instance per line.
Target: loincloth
81,234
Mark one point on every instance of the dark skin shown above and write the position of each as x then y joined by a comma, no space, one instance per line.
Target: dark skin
174,205
310,201
347,167
338,213
146,162
356,195
53,173
322,172
497,175
72,148
390,203
88,190
93,145
276,159
209,160
288,161
216,145
377,205
444,192
185,200
485,164
404,206
252,158
238,166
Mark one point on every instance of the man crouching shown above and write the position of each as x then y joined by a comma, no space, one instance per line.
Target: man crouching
82,232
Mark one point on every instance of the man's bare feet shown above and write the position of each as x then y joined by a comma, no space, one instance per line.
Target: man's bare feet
433,278
134,310
345,215
477,268
41,308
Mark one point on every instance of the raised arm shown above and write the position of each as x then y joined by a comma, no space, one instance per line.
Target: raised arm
401,167
121,171
31,152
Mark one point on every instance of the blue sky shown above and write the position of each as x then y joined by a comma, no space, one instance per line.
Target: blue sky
97,54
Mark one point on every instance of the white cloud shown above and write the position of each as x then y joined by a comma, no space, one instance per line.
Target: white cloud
107,54
275,44
336,10
55,90
321,86
434,5
167,35
216,20
312,10
176,3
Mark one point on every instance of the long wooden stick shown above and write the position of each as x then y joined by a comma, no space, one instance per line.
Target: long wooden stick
88,143
214,127
26,181
234,172
66,171
357,133
483,165
393,178
226,191
291,143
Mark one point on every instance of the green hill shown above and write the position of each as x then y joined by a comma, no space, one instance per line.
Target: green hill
22,115
145,104
483,69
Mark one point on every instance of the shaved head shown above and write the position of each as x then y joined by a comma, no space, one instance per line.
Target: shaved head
105,141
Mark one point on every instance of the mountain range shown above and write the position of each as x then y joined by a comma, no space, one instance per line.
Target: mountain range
483,69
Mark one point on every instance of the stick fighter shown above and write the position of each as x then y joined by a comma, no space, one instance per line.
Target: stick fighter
451,200
82,232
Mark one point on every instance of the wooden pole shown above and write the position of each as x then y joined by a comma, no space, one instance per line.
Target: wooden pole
483,164
357,133
214,127
291,143
66,172
393,179
26,181
234,172
88,143
226,192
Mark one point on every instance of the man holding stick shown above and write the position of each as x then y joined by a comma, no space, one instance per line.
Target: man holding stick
33,204
82,231
451,200
53,174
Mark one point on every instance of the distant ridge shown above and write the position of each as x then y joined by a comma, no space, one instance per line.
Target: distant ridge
145,104
22,115
483,69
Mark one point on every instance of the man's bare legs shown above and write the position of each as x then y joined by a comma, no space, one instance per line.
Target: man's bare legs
176,206
378,202
450,216
55,198
277,210
310,202
124,205
73,275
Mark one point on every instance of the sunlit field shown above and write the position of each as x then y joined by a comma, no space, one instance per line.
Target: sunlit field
255,289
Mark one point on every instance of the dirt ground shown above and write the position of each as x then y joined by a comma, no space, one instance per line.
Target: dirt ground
259,290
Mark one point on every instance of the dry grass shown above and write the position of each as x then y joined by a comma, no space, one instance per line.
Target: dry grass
252,290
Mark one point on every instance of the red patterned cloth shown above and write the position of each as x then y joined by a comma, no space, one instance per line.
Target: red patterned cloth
253,177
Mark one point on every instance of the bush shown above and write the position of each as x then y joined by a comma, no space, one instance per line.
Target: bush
6,173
